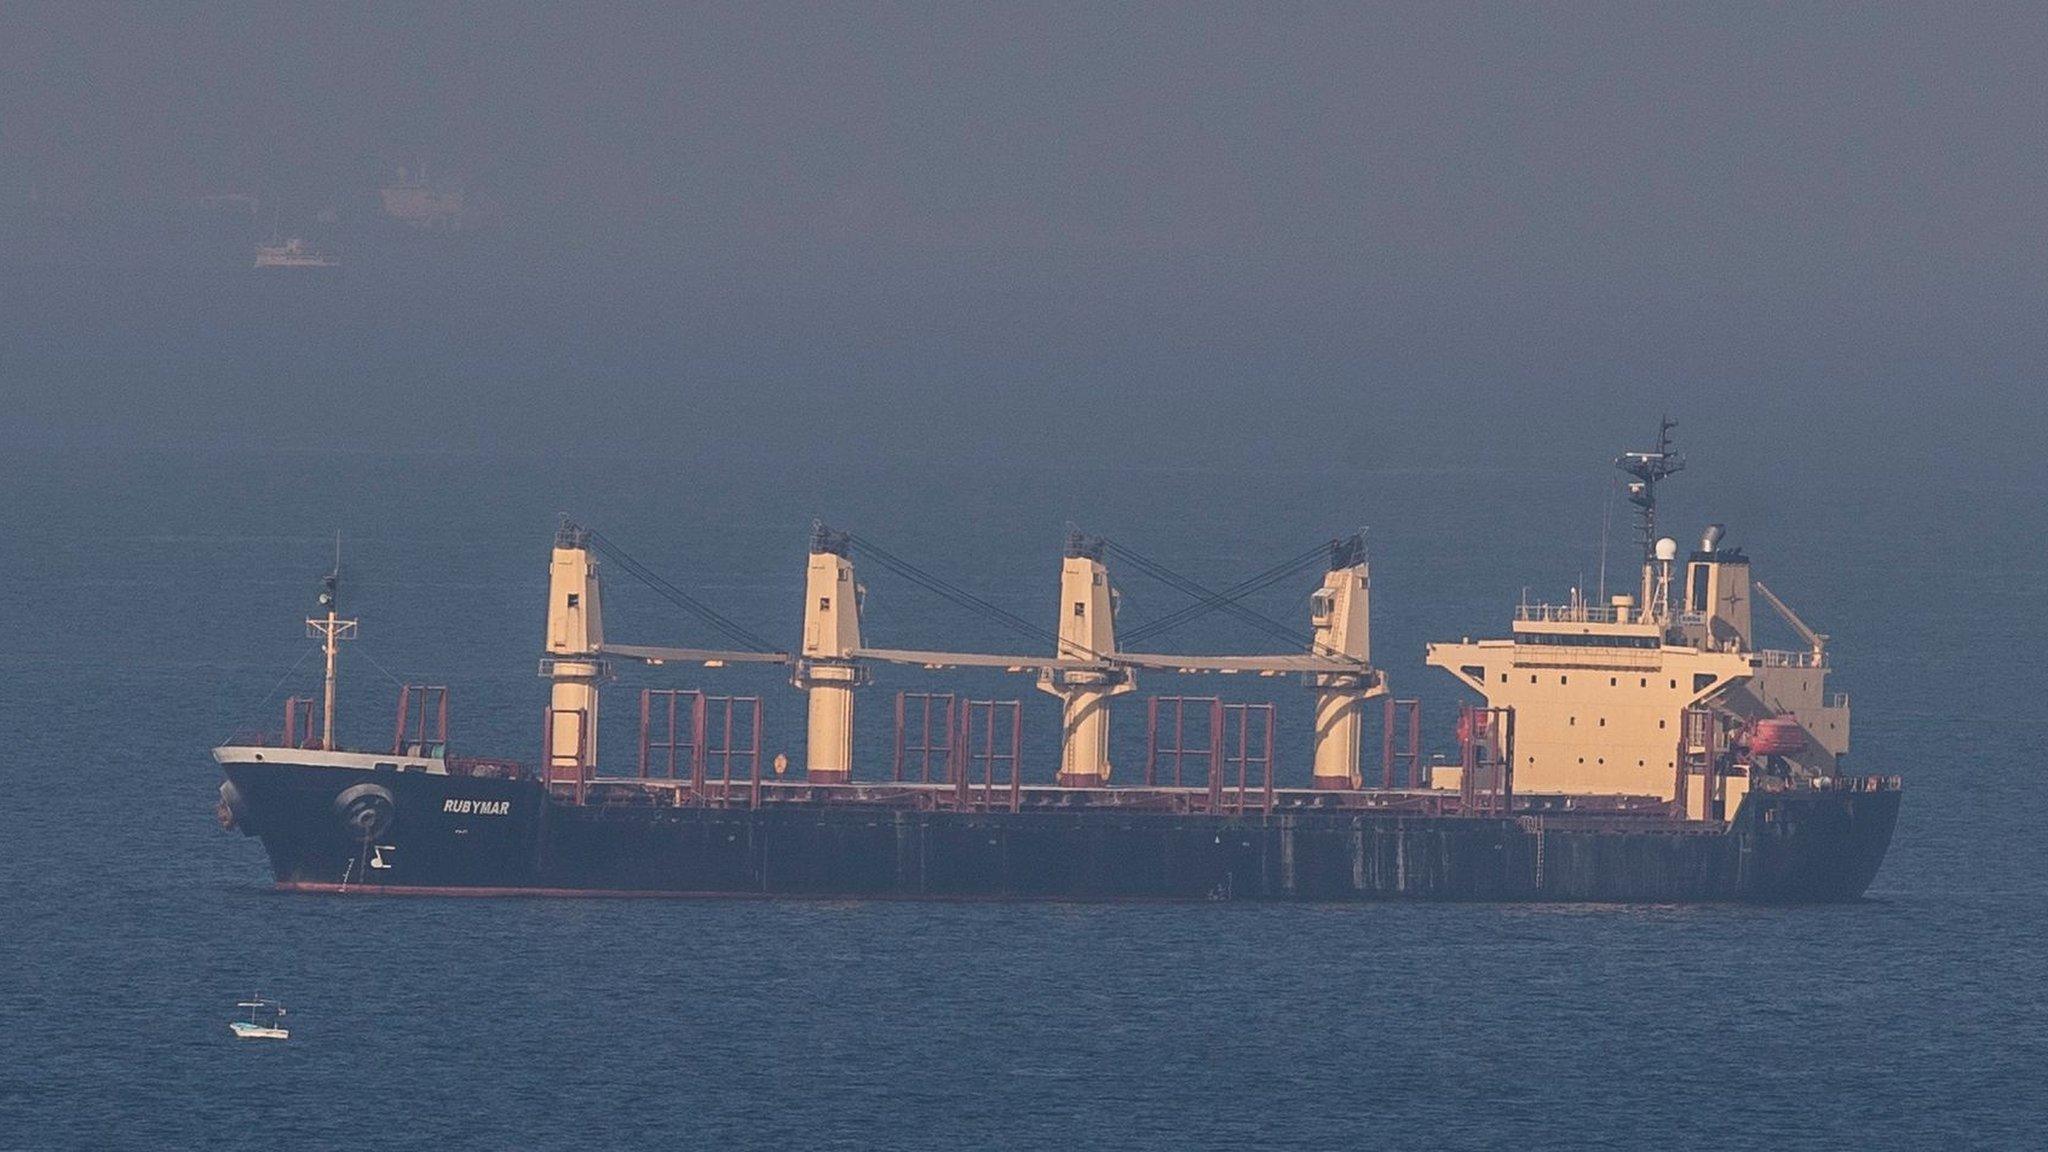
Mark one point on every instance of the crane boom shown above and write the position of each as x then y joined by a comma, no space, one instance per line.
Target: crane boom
1261,664
1264,664
1818,641
652,654
926,659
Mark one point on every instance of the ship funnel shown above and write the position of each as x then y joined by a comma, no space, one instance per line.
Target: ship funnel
1711,538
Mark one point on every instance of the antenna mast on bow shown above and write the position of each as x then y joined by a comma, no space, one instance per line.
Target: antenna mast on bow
331,630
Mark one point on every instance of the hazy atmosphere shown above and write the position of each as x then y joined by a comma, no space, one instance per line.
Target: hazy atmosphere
1218,282
1155,233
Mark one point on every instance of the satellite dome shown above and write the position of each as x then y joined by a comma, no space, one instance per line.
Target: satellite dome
1667,549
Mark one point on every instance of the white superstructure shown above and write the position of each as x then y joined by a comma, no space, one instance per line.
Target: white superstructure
1666,697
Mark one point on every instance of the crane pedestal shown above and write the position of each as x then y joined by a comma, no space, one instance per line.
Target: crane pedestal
830,689
1084,740
1340,723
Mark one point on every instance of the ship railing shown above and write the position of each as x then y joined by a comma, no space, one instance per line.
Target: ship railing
1838,700
308,741
486,768
1570,614
1779,658
252,738
1763,782
1857,783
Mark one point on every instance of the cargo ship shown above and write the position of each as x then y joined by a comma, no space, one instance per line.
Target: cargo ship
1638,748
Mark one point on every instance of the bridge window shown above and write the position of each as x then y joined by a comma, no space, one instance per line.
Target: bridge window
824,603
1080,608
1585,640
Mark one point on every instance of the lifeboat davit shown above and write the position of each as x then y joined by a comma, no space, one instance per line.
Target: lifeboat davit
1776,736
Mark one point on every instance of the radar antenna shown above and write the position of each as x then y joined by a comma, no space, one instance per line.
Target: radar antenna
1647,468
331,630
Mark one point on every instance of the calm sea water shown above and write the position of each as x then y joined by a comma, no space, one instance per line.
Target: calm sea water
149,605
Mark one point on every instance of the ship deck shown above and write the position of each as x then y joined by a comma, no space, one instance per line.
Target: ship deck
999,795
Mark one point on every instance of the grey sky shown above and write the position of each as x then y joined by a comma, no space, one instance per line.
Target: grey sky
1202,225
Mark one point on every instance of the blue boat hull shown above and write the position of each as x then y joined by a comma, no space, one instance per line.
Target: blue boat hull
432,833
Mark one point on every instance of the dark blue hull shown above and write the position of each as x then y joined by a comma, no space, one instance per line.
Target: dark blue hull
347,829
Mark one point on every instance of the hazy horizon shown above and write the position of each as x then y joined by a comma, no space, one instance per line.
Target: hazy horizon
1216,282
1494,235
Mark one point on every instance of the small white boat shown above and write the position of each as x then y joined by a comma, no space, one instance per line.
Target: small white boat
293,253
262,1023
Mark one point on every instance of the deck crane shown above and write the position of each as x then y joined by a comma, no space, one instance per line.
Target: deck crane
1084,668
1818,641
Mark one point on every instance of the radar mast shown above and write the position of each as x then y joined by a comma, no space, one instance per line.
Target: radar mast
1646,470
330,630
